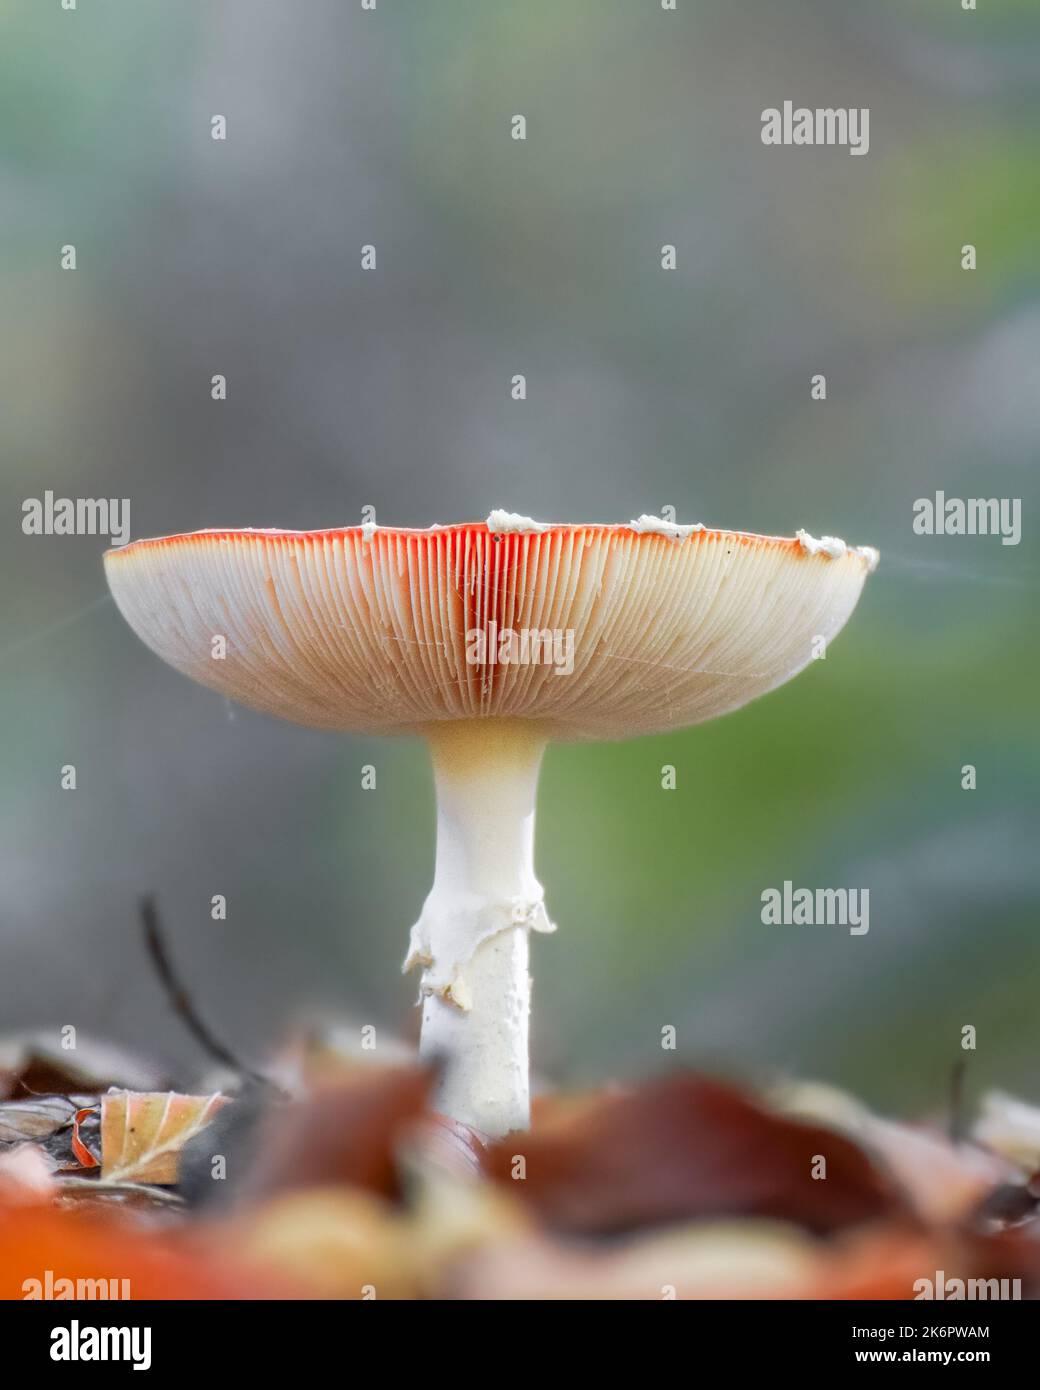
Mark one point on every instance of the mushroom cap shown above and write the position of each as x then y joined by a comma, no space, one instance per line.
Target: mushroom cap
377,630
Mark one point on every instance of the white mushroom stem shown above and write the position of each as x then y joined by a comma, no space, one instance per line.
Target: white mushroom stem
471,938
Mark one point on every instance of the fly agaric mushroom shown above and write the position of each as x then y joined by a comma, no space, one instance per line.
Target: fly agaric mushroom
385,631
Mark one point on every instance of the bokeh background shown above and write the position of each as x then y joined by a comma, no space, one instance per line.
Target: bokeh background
646,388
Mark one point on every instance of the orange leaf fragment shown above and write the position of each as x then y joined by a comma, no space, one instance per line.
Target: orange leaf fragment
83,1154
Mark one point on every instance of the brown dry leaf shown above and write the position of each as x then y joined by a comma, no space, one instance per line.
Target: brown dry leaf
944,1181
38,1064
552,1108
685,1148
142,1132
344,1134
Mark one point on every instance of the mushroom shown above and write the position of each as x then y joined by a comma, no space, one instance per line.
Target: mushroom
488,639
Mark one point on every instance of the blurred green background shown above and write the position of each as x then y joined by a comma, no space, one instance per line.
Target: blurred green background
645,388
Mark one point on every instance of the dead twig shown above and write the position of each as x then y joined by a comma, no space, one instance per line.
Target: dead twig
180,998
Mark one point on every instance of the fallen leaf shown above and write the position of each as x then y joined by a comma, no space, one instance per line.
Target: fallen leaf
74,1246
39,1064
155,1205
84,1156
326,1051
944,1181
1010,1127
344,1134
36,1118
682,1148
333,1242
746,1260
732,1260
142,1133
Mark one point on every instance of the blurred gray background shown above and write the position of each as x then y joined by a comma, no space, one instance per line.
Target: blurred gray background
645,388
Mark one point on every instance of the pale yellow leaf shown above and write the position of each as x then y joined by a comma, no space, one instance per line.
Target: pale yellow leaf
143,1132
